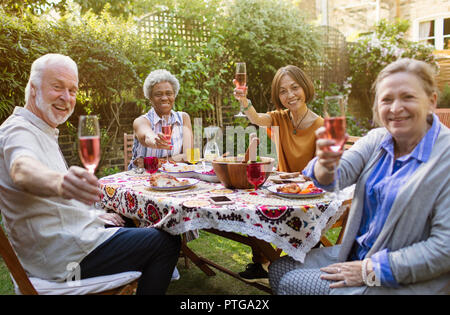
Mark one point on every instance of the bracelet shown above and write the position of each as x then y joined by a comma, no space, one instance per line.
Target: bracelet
248,106
373,282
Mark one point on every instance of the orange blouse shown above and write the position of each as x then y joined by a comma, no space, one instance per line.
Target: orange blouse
294,150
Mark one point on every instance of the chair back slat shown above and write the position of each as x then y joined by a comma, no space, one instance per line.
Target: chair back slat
14,265
350,141
127,149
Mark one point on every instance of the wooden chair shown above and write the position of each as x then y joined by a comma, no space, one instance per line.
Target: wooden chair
125,283
127,155
341,222
350,141
444,116
127,149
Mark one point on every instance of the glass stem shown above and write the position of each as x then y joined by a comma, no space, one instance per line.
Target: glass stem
336,181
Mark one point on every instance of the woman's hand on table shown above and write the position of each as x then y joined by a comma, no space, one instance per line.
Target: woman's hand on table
111,218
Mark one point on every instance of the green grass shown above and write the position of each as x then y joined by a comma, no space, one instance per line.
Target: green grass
232,255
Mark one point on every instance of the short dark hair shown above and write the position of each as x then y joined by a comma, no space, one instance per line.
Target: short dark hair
297,75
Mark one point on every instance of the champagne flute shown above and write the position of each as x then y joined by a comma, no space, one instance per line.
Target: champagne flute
167,131
241,81
256,174
89,142
335,125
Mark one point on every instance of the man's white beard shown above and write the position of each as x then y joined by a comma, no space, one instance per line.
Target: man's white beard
46,110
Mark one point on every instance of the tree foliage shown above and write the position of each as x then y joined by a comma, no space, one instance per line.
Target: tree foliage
267,35
372,52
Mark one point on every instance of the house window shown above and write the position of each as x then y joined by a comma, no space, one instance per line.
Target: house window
446,33
435,32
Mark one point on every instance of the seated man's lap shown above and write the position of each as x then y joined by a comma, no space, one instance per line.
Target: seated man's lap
130,249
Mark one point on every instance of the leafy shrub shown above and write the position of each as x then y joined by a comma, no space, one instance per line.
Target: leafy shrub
444,98
267,35
372,52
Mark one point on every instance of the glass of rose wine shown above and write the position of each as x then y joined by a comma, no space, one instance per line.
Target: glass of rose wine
167,131
89,142
151,164
335,125
241,81
256,174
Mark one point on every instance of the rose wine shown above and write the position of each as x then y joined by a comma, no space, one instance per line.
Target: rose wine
255,174
241,80
335,129
167,131
151,164
90,152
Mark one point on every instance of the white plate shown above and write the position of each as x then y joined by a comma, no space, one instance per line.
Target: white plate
273,189
180,170
277,179
192,182
212,178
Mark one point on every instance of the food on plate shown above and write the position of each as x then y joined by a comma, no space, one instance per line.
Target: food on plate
211,172
165,180
178,168
289,175
297,188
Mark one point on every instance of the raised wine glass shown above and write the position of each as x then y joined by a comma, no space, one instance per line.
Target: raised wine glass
89,142
167,131
335,125
256,174
241,81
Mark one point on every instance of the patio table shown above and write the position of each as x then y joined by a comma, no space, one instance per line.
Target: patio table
293,225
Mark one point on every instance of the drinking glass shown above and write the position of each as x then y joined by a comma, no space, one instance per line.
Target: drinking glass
89,142
167,131
193,155
241,81
256,174
151,164
335,125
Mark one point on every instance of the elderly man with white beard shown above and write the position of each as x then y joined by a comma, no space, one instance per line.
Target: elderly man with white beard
46,206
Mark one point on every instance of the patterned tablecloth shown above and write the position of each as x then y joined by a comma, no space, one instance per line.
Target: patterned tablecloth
294,225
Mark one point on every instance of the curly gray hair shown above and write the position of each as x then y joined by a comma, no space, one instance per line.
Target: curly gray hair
158,76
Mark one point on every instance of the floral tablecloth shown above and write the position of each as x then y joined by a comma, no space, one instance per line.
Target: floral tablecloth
294,225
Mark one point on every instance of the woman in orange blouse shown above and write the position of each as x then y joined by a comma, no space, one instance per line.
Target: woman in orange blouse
295,142
292,89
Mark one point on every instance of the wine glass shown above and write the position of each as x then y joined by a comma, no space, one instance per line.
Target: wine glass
335,125
241,81
151,164
89,142
193,155
167,131
256,174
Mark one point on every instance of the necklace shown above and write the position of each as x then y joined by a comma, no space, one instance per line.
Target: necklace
292,120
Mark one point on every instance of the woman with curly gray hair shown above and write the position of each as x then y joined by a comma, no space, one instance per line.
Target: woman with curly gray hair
161,88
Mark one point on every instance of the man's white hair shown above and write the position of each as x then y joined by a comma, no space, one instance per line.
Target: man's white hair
38,66
158,76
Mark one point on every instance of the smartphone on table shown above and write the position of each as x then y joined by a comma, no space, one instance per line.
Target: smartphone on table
221,200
